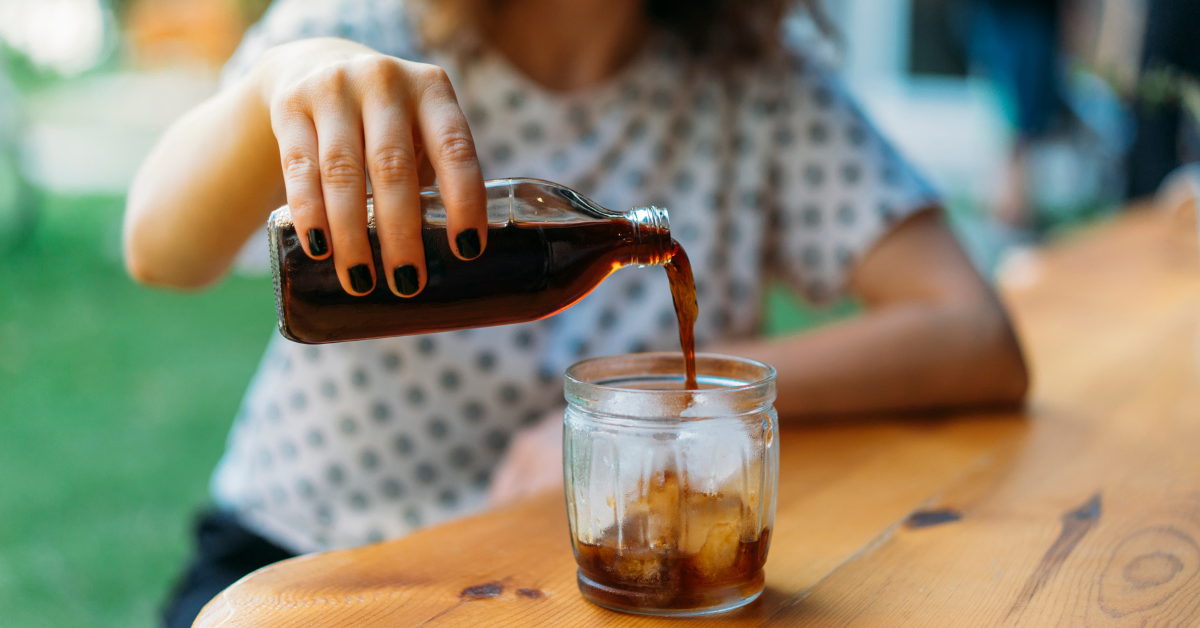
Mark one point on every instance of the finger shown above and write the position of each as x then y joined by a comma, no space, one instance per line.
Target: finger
297,139
392,165
344,190
448,144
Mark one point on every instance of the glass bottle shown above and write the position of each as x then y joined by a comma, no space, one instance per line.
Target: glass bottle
547,247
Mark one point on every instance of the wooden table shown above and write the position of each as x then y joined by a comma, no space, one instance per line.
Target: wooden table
1083,510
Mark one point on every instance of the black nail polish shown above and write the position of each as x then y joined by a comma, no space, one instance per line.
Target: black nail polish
407,280
468,243
316,242
360,278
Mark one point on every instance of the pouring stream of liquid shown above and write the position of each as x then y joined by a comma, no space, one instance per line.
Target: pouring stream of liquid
683,292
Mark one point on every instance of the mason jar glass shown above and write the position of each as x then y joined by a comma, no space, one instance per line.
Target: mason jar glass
670,492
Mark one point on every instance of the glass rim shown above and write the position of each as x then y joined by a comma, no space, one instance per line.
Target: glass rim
769,377
751,386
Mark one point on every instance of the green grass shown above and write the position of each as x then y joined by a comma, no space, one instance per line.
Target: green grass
114,404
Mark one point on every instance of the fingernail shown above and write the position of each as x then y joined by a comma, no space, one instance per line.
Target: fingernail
316,242
468,243
407,281
360,278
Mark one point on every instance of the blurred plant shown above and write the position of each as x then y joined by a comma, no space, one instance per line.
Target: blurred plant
1165,85
18,199
253,9
1189,97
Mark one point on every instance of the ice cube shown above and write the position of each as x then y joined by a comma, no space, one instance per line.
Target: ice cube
719,552
646,568
705,512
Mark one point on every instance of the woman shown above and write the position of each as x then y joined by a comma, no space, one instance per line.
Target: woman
766,166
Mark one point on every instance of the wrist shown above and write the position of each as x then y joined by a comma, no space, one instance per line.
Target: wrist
258,85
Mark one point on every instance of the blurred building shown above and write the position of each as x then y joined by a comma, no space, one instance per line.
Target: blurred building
908,63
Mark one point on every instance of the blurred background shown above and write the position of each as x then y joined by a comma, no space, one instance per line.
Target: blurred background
1033,117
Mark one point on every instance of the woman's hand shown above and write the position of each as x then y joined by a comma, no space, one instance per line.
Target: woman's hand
533,463
343,113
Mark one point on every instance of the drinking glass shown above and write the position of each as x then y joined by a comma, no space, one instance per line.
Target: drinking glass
670,492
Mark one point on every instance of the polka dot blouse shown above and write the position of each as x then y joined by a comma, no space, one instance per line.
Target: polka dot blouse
766,170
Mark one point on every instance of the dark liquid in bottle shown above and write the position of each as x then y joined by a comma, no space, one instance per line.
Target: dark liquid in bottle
528,271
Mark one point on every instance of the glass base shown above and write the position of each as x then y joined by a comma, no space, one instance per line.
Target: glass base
653,602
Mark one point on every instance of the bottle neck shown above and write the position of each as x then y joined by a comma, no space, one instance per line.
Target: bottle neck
652,244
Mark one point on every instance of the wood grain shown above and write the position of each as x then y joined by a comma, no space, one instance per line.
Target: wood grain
1092,519
1083,511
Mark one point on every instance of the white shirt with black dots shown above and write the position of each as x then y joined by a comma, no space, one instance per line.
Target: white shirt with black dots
767,171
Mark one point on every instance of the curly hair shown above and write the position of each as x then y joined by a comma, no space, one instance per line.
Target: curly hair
729,28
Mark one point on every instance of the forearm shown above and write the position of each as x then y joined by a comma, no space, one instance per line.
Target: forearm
901,357
209,182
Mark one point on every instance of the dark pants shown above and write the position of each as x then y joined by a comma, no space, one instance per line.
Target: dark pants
225,551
